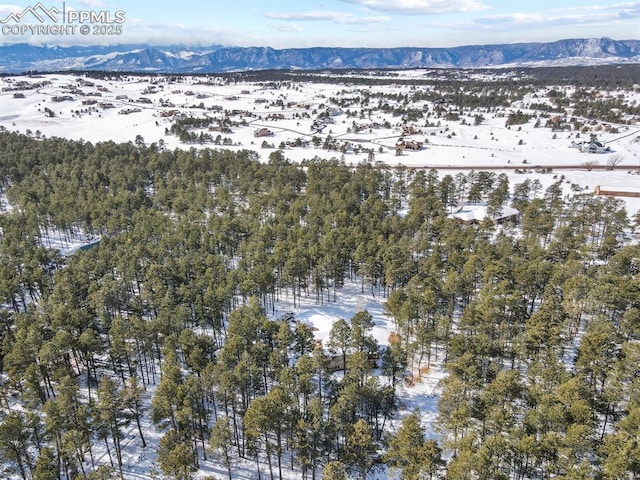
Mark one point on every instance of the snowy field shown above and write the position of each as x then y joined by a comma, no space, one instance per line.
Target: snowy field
132,108
144,108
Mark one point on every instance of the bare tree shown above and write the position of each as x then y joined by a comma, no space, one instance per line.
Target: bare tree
614,160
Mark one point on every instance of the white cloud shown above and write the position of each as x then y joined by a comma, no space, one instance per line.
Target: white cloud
8,9
600,17
512,18
334,17
422,7
93,3
288,27
633,6
309,16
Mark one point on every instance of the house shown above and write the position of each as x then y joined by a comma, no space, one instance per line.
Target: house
594,147
80,248
297,142
478,212
128,111
591,146
404,144
409,130
168,113
262,132
413,145
346,147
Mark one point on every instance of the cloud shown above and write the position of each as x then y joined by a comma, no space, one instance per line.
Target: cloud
421,7
596,13
288,27
93,3
159,33
599,16
333,17
633,6
511,19
8,9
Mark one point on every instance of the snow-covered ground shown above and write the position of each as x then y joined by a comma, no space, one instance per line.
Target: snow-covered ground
288,112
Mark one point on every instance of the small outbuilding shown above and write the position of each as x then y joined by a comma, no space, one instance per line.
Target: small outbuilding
611,191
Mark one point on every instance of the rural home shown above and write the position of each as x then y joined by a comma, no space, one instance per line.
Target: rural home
478,212
592,146
168,113
262,132
403,144
297,142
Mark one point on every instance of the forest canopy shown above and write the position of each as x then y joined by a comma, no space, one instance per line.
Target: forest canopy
170,317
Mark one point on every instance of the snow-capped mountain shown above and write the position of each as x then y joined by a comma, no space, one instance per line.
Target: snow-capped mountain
180,59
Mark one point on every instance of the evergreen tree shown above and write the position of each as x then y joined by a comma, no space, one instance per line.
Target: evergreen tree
15,442
334,471
361,449
404,448
176,456
220,442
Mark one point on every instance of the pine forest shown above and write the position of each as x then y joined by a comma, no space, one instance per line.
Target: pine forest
168,326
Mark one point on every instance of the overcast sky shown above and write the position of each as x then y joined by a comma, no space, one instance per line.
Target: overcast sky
349,23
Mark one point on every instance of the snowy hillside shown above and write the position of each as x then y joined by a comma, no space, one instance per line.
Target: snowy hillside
211,59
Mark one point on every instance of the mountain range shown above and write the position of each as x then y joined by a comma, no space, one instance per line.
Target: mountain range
214,59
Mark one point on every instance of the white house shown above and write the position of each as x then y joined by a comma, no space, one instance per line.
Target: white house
592,146
478,212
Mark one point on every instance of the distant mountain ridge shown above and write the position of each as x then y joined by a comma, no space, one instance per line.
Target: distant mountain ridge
214,59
